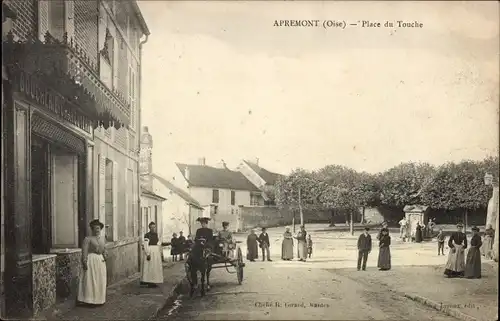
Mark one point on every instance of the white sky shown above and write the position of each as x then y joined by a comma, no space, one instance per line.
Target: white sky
220,81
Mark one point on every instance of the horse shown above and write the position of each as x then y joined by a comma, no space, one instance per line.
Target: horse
199,260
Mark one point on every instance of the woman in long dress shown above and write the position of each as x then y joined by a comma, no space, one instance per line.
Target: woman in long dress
384,254
473,262
418,233
457,243
302,244
92,284
487,246
287,245
152,266
252,246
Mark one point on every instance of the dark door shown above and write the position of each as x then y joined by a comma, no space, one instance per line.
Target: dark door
40,195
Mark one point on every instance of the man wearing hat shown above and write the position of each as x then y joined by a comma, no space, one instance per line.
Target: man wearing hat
227,237
204,233
455,266
364,248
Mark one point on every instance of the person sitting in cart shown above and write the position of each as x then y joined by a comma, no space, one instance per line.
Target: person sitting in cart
226,237
204,233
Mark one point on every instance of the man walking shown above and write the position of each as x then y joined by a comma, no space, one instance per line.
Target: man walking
364,248
264,245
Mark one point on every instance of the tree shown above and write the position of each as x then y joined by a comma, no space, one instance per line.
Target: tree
457,186
270,193
402,184
367,192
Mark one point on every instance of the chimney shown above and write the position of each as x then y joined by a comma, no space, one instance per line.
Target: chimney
201,161
222,164
186,173
257,161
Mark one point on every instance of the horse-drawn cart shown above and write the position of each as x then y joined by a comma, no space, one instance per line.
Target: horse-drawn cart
216,258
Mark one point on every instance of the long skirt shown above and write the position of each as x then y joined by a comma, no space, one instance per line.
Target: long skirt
302,250
487,246
418,236
92,286
455,265
473,264
384,258
252,251
287,249
152,270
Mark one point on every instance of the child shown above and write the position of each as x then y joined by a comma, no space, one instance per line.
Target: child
440,239
189,243
174,247
309,245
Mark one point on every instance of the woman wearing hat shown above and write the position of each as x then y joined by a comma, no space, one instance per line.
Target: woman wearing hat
457,243
204,232
92,286
473,262
287,245
227,237
152,267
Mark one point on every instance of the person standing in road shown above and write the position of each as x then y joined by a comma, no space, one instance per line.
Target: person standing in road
174,247
487,247
384,254
384,226
457,243
309,246
264,245
473,262
252,246
181,243
364,248
402,228
287,245
440,240
302,243
418,233
152,266
92,285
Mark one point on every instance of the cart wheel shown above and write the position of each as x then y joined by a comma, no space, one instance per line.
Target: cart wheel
239,266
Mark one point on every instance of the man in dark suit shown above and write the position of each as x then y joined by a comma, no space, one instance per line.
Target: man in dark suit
264,244
364,248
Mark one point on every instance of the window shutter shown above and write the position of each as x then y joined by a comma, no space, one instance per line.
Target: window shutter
43,18
102,189
127,196
115,201
69,18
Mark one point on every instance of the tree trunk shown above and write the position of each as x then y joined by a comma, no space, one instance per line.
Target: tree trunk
351,222
363,215
332,217
300,209
466,214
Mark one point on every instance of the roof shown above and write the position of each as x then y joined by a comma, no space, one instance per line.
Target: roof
269,177
183,194
140,17
151,194
212,177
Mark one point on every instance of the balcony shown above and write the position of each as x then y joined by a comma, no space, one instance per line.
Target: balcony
58,75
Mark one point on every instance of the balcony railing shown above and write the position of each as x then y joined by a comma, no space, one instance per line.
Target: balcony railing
63,66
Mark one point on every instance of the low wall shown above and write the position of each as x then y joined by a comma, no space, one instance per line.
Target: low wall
267,216
122,260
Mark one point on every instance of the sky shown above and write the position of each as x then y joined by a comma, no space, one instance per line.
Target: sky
220,81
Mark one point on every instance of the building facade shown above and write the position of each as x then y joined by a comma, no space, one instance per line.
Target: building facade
219,190
70,113
260,177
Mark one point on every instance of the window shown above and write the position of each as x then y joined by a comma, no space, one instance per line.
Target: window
255,199
233,197
56,17
109,199
215,196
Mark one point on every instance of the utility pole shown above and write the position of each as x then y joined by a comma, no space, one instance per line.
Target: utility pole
300,209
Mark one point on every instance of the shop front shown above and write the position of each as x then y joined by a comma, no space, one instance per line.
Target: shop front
49,112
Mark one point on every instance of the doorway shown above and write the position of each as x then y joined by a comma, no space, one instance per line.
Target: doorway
40,195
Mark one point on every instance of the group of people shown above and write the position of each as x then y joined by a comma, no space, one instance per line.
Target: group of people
179,246
365,248
417,235
304,245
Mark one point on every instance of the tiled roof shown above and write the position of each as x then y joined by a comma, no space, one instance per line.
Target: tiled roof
183,194
151,194
269,177
211,177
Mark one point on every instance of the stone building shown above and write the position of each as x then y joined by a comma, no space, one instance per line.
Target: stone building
70,112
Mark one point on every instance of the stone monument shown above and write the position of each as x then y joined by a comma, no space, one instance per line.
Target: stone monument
414,214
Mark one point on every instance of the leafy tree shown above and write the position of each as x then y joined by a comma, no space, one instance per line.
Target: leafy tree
457,186
270,192
402,184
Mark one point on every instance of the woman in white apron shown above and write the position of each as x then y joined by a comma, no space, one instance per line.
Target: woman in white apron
152,266
92,285
455,266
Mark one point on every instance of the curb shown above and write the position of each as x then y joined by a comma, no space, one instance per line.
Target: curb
440,307
170,299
